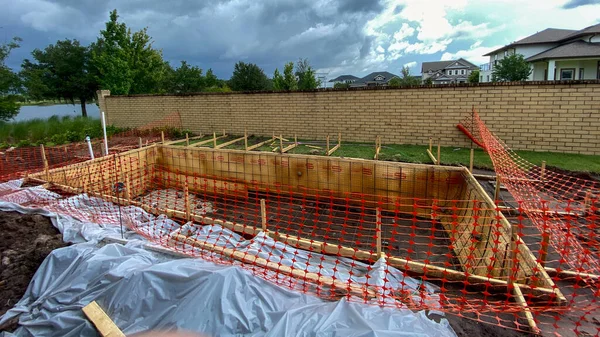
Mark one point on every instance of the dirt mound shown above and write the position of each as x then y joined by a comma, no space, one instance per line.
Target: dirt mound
25,241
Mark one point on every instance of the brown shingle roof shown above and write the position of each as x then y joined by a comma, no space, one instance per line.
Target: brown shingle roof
573,49
548,35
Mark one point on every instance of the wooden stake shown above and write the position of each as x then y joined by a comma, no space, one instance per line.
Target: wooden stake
214,139
471,157
544,248
140,142
378,230
520,299
439,151
127,188
295,140
187,139
224,134
162,136
45,160
105,326
513,254
245,139
543,170
186,200
327,143
430,144
263,215
497,189
280,143
340,139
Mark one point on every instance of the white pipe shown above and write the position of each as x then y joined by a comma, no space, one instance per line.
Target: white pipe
105,138
89,142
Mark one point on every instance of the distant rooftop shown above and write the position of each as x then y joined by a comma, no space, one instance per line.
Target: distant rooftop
344,78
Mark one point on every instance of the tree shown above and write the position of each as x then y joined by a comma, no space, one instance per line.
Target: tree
395,82
474,76
210,79
277,81
9,83
511,68
60,71
407,79
126,63
185,79
428,81
307,79
289,79
340,85
248,77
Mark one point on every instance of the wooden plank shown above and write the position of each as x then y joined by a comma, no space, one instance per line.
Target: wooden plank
378,231
205,142
439,153
520,299
432,157
263,215
105,326
471,159
289,147
256,146
230,142
342,287
333,149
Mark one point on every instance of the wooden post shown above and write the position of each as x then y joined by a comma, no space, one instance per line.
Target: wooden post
45,160
186,200
224,134
327,143
214,139
280,143
263,215
378,229
430,144
127,188
497,189
187,139
439,151
513,253
162,136
245,139
543,170
471,157
140,142
544,248
340,139
295,140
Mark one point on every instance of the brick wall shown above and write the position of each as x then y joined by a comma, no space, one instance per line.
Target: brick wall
542,116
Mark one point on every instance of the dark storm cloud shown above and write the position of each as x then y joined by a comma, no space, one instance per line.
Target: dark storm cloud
578,3
210,34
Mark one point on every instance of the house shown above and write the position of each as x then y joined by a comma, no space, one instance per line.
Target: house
554,54
344,79
378,78
444,72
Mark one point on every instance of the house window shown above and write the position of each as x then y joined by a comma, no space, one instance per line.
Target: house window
581,73
462,72
481,78
379,78
488,78
567,74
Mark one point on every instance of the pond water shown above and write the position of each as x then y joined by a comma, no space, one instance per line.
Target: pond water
47,111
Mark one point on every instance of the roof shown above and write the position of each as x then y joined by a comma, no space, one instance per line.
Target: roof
343,78
371,77
435,66
595,29
548,35
568,50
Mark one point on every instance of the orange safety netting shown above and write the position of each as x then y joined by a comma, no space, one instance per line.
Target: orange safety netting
19,162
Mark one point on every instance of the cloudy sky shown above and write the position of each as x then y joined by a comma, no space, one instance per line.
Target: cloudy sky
337,36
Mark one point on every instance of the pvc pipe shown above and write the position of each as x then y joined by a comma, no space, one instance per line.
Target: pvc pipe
105,138
89,142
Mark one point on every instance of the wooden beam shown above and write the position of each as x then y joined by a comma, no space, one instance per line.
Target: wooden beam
186,201
263,215
215,139
377,147
378,231
471,159
187,139
140,142
245,139
162,137
206,141
432,157
497,189
343,287
289,147
256,146
544,248
439,152
280,143
333,150
230,142
569,274
105,326
520,299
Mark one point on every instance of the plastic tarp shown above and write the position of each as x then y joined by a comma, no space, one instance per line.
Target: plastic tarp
143,290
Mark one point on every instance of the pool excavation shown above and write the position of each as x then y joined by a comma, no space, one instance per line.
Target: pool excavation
434,223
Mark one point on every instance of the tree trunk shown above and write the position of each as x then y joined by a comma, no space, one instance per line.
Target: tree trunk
83,110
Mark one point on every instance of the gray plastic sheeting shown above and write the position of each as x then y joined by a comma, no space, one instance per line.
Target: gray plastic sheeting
141,290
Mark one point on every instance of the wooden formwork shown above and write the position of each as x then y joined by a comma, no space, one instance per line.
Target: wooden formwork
485,255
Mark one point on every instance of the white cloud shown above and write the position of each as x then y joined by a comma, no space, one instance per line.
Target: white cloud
473,54
404,32
411,64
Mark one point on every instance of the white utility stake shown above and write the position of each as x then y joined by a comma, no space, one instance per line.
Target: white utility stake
89,142
105,137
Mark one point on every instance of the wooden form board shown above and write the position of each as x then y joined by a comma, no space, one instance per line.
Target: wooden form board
353,178
105,326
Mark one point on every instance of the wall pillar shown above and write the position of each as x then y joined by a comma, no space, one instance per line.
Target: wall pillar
551,66
102,102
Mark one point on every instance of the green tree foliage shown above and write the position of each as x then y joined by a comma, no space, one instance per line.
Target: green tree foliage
511,68
407,79
60,71
428,81
211,81
289,79
185,79
395,82
9,83
248,77
307,79
277,80
474,77
125,62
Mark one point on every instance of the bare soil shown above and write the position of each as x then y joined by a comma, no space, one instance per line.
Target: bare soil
25,241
